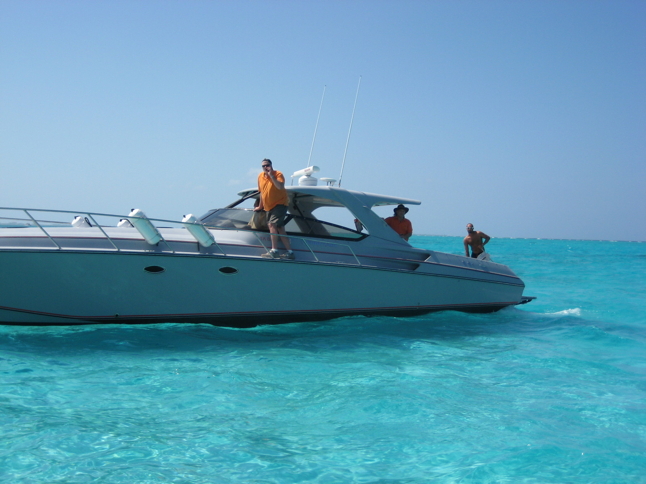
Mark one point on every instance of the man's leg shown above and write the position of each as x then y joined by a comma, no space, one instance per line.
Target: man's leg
282,231
273,230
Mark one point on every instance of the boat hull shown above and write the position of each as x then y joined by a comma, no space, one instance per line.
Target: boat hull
54,287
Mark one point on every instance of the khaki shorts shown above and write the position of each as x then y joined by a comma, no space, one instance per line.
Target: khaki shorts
276,216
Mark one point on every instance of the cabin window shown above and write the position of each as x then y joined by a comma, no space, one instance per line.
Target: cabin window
335,222
306,216
228,218
300,224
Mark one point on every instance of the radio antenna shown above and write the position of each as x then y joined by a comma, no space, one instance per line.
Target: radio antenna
316,127
349,131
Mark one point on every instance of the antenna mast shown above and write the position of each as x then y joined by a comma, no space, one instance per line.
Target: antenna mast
349,131
316,127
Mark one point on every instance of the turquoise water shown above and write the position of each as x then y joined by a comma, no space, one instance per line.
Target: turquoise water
550,392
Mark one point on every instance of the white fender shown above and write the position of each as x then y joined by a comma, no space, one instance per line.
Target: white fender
197,230
139,220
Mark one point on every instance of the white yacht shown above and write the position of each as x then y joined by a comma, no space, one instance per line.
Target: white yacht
62,267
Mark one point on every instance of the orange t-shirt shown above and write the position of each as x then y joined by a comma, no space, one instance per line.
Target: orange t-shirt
270,195
402,227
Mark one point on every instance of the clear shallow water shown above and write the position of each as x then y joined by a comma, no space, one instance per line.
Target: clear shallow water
550,392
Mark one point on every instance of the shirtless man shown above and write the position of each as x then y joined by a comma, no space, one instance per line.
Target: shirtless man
477,240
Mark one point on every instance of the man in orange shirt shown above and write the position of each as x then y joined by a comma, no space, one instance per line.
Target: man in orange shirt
399,223
274,201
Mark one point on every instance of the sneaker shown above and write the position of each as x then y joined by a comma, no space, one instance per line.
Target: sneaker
287,255
272,254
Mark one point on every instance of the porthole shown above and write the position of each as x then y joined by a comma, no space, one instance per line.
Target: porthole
228,270
154,269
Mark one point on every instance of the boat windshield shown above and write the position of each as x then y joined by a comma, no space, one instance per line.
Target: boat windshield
240,219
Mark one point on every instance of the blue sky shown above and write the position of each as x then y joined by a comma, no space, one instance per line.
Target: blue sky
527,118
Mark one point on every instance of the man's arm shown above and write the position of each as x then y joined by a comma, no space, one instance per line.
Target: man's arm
466,246
260,206
278,181
485,238
407,235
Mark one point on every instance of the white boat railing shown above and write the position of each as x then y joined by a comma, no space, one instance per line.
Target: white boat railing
91,217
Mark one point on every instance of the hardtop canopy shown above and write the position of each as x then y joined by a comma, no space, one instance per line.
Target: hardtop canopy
326,196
